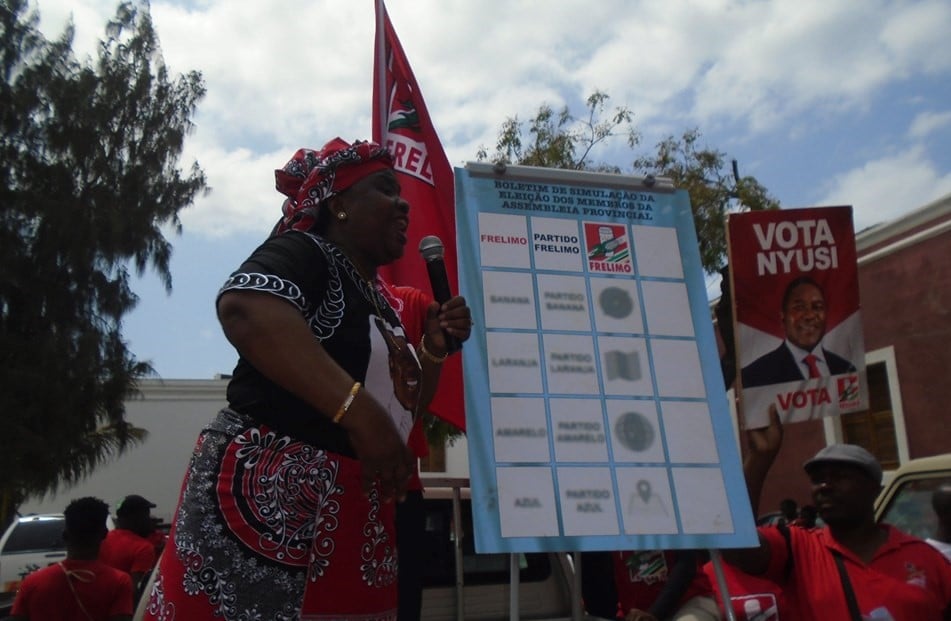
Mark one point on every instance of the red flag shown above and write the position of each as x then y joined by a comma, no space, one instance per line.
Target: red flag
402,123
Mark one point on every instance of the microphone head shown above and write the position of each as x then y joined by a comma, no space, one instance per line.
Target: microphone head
431,248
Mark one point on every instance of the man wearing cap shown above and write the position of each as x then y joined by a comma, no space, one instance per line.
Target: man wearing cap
126,547
891,576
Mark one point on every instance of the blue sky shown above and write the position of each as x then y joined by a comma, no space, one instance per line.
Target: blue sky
826,102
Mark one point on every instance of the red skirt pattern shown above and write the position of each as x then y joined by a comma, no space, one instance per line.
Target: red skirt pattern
272,529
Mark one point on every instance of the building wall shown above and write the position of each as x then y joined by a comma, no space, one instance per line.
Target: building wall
906,303
173,412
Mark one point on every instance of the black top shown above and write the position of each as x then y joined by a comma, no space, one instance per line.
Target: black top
324,286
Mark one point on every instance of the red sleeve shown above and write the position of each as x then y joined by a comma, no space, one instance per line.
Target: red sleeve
413,314
122,602
778,553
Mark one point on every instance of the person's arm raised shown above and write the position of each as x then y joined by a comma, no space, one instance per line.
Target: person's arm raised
271,334
764,445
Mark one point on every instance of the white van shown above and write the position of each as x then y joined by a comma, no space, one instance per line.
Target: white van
30,543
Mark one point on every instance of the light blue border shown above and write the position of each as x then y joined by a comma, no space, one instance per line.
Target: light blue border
475,194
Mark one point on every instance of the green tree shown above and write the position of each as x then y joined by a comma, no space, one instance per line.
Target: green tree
89,178
559,140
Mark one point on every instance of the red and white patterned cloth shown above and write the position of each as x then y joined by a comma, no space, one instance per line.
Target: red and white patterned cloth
273,529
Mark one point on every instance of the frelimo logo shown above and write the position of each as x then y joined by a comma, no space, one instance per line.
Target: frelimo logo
608,248
848,389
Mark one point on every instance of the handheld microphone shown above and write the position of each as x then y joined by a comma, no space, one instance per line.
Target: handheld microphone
432,250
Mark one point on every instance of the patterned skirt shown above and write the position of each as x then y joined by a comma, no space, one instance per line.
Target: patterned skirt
269,528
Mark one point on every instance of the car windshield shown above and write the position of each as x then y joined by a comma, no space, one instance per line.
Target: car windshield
38,534
909,509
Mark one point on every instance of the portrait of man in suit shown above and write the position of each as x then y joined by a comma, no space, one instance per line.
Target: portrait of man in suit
800,356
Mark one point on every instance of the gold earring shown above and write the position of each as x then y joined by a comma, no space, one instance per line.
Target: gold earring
341,215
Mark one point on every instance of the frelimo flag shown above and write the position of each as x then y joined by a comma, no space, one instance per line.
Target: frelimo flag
402,123
798,318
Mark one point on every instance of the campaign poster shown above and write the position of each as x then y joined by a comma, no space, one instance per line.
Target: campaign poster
797,312
596,411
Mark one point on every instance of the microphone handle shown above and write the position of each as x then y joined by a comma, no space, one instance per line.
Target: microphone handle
439,281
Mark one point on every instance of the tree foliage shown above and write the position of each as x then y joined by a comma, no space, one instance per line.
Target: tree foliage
559,140
89,177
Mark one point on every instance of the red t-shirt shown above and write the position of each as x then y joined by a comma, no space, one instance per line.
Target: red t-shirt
45,594
907,578
127,551
641,576
751,595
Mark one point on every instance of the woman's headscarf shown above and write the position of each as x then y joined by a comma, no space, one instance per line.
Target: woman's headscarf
311,177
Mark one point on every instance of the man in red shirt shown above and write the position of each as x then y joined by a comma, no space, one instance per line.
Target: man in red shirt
78,588
854,568
127,547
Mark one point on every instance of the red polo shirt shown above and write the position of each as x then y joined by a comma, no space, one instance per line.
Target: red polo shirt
127,551
751,593
907,578
45,594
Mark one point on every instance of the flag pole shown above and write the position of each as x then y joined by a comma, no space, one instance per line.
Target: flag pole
380,64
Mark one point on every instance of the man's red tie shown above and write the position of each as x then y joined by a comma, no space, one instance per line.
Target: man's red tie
810,361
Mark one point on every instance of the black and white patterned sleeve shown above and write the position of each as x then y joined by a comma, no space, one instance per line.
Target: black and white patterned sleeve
288,266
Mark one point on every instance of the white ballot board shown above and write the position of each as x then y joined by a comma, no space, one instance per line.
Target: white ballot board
596,413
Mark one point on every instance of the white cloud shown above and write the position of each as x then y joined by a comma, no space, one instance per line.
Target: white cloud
927,123
884,189
242,197
915,31
285,74
804,88
788,57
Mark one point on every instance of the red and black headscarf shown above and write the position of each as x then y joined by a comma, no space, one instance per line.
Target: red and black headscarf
311,177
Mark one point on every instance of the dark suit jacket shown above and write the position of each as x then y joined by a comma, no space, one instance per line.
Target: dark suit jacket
779,366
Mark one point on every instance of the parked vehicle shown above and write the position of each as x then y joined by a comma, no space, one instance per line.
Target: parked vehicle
31,542
28,544
905,502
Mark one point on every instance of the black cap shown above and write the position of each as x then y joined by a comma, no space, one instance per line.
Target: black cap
133,503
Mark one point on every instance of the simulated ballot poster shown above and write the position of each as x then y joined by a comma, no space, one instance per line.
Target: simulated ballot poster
596,413
796,304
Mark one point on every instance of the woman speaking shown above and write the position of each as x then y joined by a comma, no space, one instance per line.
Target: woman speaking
287,508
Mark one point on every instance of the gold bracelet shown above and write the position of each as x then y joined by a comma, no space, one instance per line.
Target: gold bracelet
428,355
347,402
